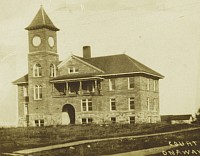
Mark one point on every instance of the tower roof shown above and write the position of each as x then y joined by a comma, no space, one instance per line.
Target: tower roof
42,20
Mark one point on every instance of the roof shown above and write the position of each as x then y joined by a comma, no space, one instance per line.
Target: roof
122,63
113,64
21,80
41,20
175,117
75,76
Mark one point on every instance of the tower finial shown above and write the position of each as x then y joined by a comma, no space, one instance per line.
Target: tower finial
41,3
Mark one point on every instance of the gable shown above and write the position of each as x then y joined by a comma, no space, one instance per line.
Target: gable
79,67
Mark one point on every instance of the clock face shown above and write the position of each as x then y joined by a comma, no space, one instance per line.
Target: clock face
36,41
51,41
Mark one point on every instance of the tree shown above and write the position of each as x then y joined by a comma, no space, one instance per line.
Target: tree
197,117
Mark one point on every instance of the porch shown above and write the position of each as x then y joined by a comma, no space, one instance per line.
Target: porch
77,87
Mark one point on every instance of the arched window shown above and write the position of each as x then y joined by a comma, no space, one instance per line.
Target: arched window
37,92
37,70
52,70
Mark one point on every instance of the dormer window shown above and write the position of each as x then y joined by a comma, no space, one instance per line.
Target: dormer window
37,70
72,70
52,70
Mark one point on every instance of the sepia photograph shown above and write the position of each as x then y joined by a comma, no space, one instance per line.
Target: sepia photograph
99,77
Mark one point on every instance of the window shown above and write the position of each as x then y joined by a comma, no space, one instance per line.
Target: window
39,123
25,91
72,70
130,82
154,85
37,70
111,84
87,120
154,105
26,108
112,104
86,105
131,103
37,92
113,119
132,120
52,88
148,84
89,105
52,70
148,105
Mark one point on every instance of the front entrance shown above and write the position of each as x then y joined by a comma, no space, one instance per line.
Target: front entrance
68,114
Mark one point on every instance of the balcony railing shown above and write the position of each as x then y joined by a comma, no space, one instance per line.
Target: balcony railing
78,93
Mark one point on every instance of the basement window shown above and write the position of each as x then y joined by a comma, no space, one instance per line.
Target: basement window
39,123
87,121
132,120
113,119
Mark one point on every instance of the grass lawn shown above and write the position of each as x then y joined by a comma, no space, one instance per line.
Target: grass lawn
126,145
12,139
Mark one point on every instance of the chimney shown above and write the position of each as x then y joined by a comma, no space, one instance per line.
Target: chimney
86,52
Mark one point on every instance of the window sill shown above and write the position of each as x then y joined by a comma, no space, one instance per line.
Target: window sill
37,99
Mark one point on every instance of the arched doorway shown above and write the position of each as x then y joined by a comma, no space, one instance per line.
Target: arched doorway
68,114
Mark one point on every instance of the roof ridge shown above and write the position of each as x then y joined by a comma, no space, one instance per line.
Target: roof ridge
131,59
43,15
103,56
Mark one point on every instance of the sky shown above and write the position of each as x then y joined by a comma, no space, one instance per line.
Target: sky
162,34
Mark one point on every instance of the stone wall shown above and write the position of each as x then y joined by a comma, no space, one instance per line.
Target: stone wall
51,111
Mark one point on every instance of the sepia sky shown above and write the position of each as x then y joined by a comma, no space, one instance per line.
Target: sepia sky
162,34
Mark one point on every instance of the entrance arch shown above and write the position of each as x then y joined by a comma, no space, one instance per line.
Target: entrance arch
68,114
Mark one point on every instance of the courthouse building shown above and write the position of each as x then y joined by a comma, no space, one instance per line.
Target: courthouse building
82,89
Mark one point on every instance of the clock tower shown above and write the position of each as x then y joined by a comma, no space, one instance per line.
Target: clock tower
42,64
